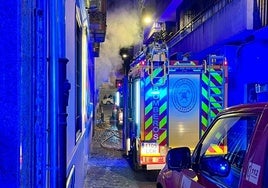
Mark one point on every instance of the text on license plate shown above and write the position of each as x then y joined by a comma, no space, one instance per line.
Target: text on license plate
148,148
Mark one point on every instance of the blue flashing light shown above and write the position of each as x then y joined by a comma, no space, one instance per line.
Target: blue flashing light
155,92
222,167
137,102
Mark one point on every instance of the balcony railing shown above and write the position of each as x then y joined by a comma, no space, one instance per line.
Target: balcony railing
197,21
260,19
260,13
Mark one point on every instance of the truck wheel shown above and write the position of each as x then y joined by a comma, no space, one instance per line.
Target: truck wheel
135,165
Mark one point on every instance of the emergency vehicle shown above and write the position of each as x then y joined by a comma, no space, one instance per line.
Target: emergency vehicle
232,153
170,103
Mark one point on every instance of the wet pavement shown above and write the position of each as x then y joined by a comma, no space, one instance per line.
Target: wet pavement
107,168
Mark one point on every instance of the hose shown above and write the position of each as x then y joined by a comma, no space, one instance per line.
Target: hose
108,134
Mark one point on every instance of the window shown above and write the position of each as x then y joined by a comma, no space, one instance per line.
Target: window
78,78
227,141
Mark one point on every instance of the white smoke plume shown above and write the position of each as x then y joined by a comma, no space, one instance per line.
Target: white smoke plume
123,30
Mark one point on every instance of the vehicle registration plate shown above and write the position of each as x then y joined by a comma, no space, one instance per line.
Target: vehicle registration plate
149,148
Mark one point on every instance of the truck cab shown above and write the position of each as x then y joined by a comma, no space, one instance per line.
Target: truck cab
232,153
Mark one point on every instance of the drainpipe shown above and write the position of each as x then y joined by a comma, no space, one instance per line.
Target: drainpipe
64,87
53,93
58,94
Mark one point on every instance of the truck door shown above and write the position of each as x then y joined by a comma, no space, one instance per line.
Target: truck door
184,109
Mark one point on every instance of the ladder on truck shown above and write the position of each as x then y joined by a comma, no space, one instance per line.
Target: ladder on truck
158,63
216,71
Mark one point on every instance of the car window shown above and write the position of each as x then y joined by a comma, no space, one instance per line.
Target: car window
226,143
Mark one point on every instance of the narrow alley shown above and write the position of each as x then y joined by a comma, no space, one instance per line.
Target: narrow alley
107,167
164,69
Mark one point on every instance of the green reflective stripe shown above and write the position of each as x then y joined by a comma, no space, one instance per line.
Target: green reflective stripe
212,99
216,90
163,108
148,122
212,95
212,114
162,137
163,93
157,75
204,107
205,79
148,108
204,93
204,121
204,104
156,71
149,136
217,77
216,105
161,80
148,94
163,122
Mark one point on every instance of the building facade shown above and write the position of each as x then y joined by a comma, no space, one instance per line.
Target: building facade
48,51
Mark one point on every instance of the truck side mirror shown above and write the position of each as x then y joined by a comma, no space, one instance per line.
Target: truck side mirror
179,158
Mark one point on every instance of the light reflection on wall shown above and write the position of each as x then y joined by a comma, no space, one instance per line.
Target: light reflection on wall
84,75
117,98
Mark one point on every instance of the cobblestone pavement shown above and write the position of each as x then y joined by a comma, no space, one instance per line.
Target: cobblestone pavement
107,168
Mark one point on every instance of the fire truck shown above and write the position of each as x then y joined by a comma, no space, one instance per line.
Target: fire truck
169,103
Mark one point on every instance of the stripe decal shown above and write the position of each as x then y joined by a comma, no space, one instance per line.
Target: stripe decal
212,95
155,114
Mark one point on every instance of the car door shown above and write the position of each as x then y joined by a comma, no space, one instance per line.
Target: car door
219,157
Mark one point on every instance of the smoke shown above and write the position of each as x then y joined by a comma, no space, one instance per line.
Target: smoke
123,30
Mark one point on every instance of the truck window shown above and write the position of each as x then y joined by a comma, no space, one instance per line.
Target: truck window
228,141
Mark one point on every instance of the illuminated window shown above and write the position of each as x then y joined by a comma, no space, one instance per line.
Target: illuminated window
78,78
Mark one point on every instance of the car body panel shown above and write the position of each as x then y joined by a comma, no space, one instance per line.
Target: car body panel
173,178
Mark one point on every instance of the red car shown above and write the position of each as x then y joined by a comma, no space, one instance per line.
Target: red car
233,153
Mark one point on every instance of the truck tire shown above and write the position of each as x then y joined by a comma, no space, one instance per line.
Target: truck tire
134,161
